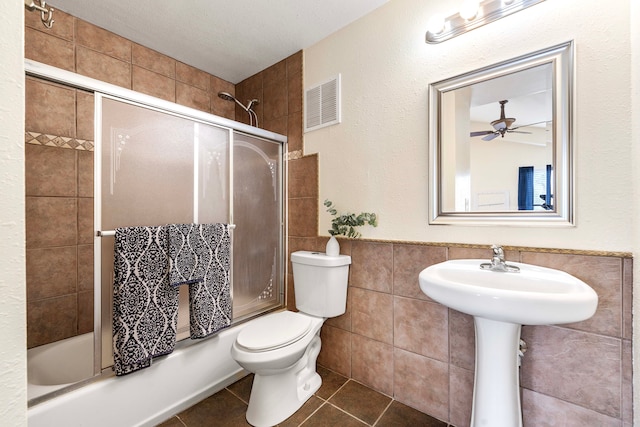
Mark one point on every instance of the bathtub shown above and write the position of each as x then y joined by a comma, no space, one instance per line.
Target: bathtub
57,365
195,370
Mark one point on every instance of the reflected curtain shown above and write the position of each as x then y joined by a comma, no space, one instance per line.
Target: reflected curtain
525,188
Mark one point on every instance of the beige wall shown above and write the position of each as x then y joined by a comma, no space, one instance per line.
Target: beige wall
13,372
376,159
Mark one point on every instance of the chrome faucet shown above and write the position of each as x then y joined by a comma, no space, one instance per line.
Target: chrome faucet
498,262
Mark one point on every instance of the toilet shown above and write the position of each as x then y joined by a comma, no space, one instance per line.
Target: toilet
281,348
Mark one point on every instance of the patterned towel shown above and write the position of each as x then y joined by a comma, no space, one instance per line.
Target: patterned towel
145,307
200,257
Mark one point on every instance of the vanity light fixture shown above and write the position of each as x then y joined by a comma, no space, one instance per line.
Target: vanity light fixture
473,14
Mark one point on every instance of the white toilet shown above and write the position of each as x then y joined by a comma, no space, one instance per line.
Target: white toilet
281,348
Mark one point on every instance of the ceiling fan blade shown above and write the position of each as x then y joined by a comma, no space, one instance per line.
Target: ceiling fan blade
517,131
480,133
530,124
490,137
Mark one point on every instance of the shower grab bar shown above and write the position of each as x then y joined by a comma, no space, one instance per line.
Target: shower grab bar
107,233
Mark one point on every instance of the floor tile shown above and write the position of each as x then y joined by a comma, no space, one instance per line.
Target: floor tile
221,409
399,415
303,413
330,416
361,401
331,382
242,388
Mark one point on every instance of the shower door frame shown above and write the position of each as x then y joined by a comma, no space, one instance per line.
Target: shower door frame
99,89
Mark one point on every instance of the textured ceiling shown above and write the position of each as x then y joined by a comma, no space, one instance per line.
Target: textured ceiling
231,39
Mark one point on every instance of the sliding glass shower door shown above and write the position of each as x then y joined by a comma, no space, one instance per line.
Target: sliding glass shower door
157,167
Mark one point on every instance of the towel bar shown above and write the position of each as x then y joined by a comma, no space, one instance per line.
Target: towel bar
107,233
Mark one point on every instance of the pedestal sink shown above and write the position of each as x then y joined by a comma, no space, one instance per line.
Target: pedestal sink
501,302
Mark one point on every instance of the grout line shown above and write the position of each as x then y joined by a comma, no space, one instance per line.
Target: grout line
237,396
383,412
324,402
351,415
181,422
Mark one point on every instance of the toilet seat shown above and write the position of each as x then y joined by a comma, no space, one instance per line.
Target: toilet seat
274,331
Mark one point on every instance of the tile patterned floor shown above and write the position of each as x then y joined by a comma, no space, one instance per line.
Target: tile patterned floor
339,402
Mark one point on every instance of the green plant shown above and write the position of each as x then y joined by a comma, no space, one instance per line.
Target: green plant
346,224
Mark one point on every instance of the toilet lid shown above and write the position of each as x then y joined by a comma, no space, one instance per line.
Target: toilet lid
273,331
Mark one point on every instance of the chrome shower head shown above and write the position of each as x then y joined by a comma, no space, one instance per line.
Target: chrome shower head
227,96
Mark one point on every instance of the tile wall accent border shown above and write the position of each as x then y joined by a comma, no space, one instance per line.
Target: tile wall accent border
37,138
294,155
505,247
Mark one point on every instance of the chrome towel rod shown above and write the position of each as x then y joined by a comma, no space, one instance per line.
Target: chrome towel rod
107,233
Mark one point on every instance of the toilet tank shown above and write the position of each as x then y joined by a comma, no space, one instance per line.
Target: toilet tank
320,283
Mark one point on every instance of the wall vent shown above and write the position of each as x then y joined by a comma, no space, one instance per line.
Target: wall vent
322,105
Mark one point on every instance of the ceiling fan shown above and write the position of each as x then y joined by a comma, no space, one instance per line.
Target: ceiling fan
500,126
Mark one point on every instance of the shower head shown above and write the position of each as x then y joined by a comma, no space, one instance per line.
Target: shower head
228,97
252,114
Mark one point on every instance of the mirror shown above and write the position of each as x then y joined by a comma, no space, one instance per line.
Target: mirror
500,143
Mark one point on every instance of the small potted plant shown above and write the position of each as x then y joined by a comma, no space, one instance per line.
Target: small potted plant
345,225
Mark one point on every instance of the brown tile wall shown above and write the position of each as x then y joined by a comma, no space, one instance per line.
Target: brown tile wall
59,181
59,212
79,46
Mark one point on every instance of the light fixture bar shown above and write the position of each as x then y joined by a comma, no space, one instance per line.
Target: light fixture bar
488,11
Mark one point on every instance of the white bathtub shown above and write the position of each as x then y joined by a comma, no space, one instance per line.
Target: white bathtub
195,370
53,366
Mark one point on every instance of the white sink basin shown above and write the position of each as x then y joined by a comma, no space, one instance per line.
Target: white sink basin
533,296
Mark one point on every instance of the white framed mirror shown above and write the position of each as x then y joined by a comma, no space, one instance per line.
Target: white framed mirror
500,143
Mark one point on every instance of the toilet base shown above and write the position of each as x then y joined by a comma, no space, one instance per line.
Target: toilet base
275,397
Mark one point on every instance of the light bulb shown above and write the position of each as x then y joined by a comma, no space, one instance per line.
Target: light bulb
436,24
469,9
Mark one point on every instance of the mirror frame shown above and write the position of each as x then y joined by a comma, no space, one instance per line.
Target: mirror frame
561,57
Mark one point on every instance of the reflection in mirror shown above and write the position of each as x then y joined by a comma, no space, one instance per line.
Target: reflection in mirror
500,142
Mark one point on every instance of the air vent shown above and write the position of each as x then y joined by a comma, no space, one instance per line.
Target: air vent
322,105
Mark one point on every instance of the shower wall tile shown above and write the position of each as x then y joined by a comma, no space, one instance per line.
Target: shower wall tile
40,117
294,83
153,61
408,262
193,97
539,410
63,28
49,171
153,84
85,312
294,131
103,67
372,314
603,274
100,40
335,353
303,217
303,177
219,106
84,115
192,76
279,125
85,267
421,327
44,48
275,74
85,173
560,362
85,220
372,364
51,272
422,383
372,266
276,99
51,221
51,320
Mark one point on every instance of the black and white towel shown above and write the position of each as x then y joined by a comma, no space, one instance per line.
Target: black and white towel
201,257
145,306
